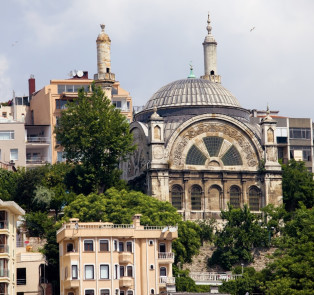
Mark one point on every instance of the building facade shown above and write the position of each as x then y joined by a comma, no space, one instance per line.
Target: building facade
111,259
9,215
198,149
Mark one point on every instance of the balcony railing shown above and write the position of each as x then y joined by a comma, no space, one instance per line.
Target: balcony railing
4,272
3,224
212,277
4,248
165,255
21,281
38,139
36,160
167,280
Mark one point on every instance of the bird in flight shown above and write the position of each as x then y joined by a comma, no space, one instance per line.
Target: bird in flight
13,44
252,29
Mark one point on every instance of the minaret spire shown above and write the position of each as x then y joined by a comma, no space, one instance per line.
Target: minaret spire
210,56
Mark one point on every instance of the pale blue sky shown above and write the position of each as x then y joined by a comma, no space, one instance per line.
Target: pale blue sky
153,43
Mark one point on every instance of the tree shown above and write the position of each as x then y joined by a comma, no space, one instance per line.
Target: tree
120,206
95,136
8,183
236,240
297,185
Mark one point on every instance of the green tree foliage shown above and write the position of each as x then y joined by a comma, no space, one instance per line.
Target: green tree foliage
120,206
38,224
185,284
236,240
8,183
297,185
95,136
206,230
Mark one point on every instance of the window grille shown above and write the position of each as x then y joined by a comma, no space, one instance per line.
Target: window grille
213,145
195,156
232,157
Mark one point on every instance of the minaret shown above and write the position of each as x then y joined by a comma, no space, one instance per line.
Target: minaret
210,56
104,78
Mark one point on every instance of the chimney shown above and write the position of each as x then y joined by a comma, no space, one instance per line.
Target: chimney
137,220
31,86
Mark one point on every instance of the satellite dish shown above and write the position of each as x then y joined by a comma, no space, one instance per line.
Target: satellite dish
172,229
164,229
74,73
79,73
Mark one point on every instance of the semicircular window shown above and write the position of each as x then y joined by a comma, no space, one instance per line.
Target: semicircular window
213,145
195,156
232,157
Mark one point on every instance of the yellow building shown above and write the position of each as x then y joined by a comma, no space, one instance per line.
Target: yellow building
115,259
9,214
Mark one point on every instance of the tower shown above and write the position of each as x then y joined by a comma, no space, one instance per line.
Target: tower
104,78
210,56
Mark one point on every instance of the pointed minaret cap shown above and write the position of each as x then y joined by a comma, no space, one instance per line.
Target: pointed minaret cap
268,118
102,35
209,38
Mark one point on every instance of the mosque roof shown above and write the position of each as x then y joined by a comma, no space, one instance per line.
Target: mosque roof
192,92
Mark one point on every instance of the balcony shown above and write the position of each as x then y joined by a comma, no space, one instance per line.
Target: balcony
167,281
166,256
36,160
125,282
38,139
125,257
4,248
71,283
4,272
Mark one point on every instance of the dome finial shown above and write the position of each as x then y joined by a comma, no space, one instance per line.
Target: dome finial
102,27
209,28
191,71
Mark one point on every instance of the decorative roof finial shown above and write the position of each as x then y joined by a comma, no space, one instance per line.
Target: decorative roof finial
102,27
209,28
267,110
191,71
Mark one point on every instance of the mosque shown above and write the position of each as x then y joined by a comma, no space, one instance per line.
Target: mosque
198,148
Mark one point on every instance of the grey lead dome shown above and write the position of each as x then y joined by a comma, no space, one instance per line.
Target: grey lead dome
192,92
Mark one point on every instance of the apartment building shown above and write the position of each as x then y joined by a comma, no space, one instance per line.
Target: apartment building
115,259
295,137
9,215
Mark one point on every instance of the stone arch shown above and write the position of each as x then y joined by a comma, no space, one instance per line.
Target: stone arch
235,196
254,198
194,130
215,198
196,193
176,195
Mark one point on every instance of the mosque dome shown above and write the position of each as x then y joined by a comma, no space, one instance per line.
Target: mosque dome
192,93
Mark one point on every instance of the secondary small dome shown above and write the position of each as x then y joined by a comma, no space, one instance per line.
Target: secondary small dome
192,92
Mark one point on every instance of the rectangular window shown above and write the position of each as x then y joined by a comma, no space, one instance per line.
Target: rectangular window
88,245
104,245
89,292
129,246
117,104
115,245
122,292
130,292
121,246
89,272
116,269
104,271
66,272
4,114
7,135
104,292
74,272
128,105
121,271
14,154
300,133
60,157
304,151
21,276
61,104
129,271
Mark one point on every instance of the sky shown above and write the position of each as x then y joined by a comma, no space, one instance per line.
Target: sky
153,43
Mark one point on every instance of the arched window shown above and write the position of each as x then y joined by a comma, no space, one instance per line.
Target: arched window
254,198
235,197
196,198
163,271
214,198
176,196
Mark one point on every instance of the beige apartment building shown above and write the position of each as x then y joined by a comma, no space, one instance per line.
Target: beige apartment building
115,259
9,215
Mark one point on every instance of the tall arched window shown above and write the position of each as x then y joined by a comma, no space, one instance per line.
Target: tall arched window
196,198
235,194
254,198
176,197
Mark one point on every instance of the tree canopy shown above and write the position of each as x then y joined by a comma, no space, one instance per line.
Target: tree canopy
297,185
95,137
240,234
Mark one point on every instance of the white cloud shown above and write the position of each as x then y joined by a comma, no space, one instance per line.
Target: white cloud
5,81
